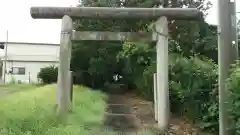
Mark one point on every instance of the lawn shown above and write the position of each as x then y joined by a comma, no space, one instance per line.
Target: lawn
32,112
17,87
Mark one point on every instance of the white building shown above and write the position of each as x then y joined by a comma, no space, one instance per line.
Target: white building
24,60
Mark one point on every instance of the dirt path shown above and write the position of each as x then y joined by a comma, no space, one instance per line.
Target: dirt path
128,113
119,117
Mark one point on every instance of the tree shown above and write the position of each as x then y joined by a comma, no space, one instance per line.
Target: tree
95,63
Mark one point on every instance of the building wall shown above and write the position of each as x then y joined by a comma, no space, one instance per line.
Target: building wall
32,52
31,56
31,70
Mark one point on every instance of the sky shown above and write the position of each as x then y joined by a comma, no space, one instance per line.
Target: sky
16,18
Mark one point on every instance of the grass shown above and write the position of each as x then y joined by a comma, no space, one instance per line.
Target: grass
32,112
17,87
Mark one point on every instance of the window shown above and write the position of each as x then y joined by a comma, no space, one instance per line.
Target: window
18,70
1,45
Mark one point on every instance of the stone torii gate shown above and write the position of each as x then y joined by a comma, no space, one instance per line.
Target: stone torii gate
160,35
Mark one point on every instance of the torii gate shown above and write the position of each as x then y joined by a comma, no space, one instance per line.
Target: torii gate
160,35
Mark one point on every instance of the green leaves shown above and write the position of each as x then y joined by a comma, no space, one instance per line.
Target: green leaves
192,88
193,51
234,98
48,74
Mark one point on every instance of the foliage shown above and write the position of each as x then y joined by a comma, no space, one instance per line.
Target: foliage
192,82
193,54
193,91
97,66
144,83
210,119
135,57
48,74
197,97
192,88
95,62
31,112
233,99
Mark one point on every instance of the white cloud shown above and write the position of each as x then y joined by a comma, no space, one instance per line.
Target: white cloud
15,17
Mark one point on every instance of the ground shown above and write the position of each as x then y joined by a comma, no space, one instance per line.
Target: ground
28,110
11,88
129,112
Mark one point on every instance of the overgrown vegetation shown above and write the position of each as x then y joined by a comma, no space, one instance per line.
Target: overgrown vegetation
192,63
32,112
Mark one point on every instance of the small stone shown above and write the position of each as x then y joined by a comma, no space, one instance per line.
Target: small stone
175,127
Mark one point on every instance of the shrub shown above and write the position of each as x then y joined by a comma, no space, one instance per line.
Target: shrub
136,57
210,119
144,82
233,99
193,94
48,75
192,89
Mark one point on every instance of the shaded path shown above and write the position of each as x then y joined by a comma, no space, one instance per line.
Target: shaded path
119,117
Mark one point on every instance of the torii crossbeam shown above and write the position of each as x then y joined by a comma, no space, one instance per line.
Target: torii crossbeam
115,13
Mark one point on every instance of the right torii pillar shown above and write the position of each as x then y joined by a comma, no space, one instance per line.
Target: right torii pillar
162,104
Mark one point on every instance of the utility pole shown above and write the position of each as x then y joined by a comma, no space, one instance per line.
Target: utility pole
226,57
5,59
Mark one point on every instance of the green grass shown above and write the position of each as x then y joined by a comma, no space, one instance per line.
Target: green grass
17,87
32,112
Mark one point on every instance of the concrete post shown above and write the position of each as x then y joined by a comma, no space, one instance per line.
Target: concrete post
162,73
70,86
64,66
226,57
155,96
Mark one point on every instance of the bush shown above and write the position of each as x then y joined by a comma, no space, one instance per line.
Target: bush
48,75
193,94
136,57
233,99
211,115
192,89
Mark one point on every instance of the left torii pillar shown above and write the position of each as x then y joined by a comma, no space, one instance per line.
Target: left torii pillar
63,88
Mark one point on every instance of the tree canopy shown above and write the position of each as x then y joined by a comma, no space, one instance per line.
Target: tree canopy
95,63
